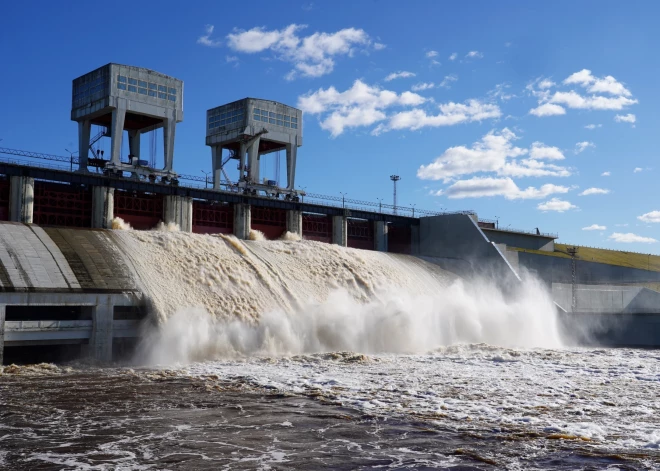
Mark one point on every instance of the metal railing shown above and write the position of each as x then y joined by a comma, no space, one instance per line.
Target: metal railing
228,186
511,229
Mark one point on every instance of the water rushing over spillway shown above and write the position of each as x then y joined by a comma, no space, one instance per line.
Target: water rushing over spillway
215,295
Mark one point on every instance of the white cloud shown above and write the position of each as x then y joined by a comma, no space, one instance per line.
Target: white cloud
547,109
500,91
545,83
629,238
453,56
474,55
582,146
607,84
478,187
312,56
594,227
448,80
604,93
582,77
625,118
606,174
653,216
638,169
431,54
541,151
594,191
360,105
450,113
593,102
379,46
231,59
495,153
205,39
422,86
555,204
593,126
396,75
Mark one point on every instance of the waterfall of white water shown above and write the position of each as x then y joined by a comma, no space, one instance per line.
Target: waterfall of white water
217,296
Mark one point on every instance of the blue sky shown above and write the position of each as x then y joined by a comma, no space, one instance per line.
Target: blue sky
515,111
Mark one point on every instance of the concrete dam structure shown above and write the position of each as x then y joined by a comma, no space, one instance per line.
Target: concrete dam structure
88,290
72,286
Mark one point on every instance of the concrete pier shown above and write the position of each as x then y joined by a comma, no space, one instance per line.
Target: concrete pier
2,331
21,199
294,222
103,207
380,236
242,220
100,342
414,240
339,230
178,210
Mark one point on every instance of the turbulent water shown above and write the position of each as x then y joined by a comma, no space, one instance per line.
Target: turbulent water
302,355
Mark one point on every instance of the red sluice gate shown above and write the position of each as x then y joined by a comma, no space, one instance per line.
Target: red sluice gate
61,204
212,218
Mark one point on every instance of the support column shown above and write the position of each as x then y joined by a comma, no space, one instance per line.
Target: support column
414,240
103,207
294,222
134,143
216,158
84,130
178,210
2,331
241,152
242,220
340,230
291,154
117,133
253,160
100,342
169,129
21,199
380,236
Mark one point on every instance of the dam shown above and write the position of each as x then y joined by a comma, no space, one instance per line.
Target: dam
73,283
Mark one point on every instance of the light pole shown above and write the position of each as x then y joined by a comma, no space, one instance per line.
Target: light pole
497,222
206,178
302,194
71,157
380,205
395,178
343,199
413,208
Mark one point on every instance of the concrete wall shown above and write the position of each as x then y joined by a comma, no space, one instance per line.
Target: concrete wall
521,240
456,242
552,269
607,298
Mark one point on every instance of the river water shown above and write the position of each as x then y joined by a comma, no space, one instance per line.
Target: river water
302,355
468,407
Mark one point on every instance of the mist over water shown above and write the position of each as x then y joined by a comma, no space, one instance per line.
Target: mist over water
217,297
390,323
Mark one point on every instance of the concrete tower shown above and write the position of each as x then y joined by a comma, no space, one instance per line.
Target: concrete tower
254,127
134,99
